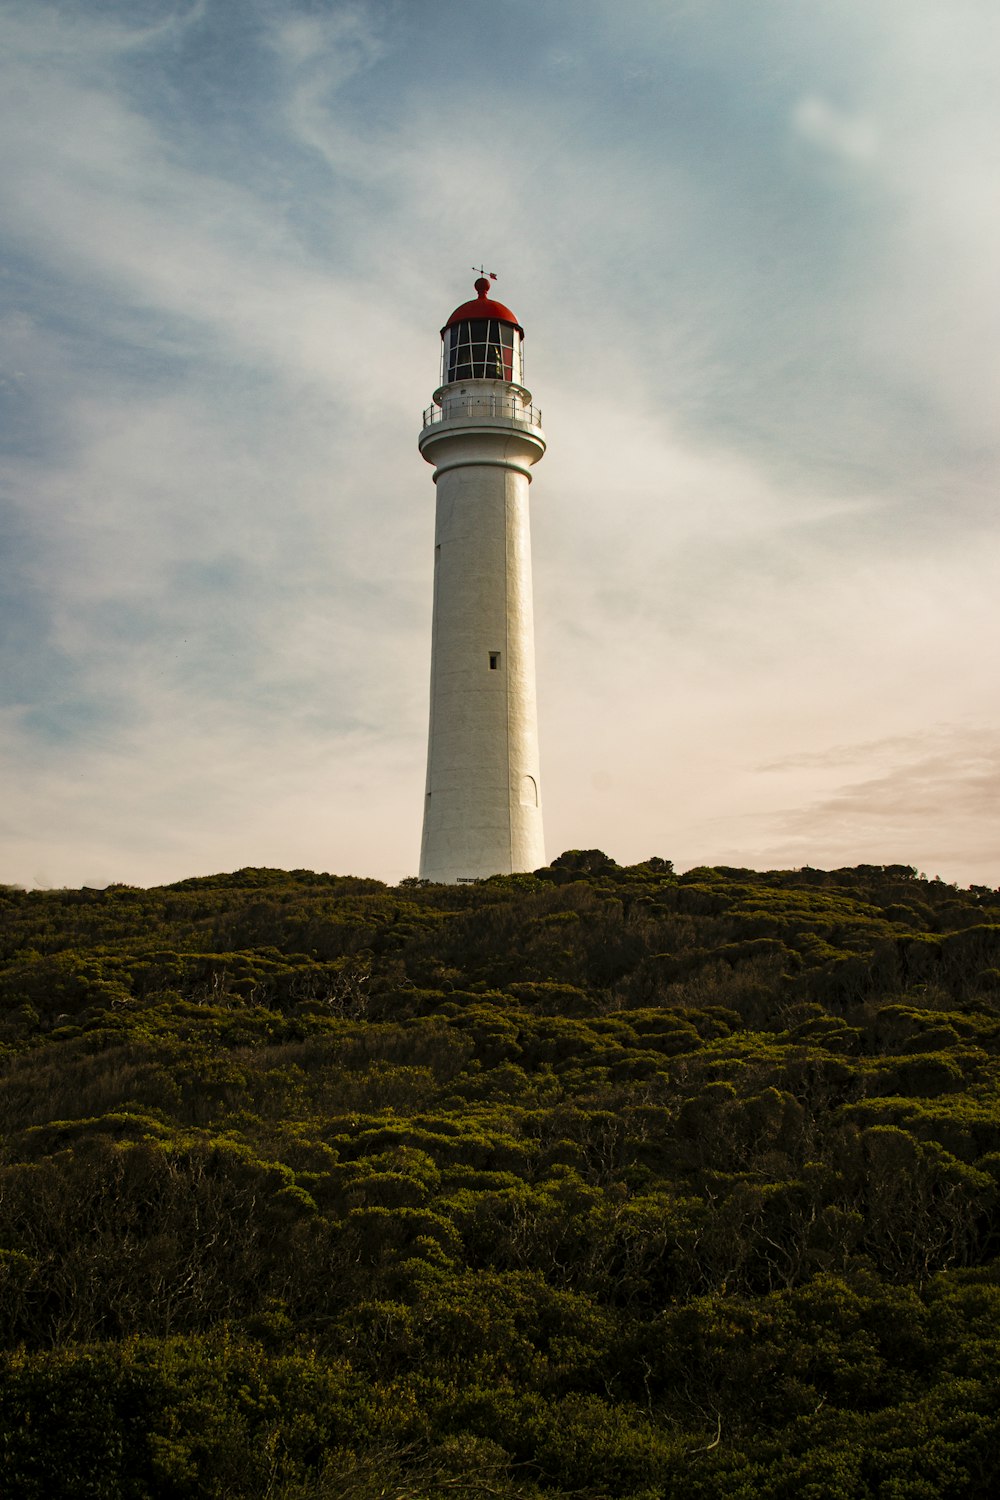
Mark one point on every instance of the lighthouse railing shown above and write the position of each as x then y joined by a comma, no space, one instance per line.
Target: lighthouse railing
507,408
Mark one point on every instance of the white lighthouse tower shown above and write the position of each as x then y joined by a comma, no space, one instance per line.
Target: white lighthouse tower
482,808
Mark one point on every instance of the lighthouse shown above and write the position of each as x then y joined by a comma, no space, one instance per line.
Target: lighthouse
482,803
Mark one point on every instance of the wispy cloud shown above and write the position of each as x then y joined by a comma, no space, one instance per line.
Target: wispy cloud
756,265
850,136
935,804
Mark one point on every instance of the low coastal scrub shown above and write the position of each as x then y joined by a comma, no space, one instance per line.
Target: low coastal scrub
602,1182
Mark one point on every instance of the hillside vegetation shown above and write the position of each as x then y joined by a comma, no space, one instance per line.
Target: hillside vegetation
598,1182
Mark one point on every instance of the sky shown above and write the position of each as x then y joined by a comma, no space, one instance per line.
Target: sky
754,248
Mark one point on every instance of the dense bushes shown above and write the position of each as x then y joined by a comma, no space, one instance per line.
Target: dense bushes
596,1182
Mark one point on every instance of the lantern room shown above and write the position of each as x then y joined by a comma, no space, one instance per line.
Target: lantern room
482,341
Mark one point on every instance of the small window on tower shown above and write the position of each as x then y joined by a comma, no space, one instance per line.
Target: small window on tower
494,661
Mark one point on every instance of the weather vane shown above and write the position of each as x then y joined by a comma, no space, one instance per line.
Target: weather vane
483,272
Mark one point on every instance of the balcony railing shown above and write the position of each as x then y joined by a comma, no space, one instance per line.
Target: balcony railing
504,407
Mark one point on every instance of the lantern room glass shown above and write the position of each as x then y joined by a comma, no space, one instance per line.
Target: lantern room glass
482,349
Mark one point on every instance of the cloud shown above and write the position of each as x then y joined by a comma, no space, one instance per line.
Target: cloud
846,135
755,263
935,800
864,750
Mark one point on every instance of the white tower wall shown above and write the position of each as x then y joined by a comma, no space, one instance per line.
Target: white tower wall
482,807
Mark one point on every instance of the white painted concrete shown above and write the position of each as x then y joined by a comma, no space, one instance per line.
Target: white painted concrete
482,808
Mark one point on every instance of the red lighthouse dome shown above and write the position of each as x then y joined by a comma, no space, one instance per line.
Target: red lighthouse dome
483,307
482,341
